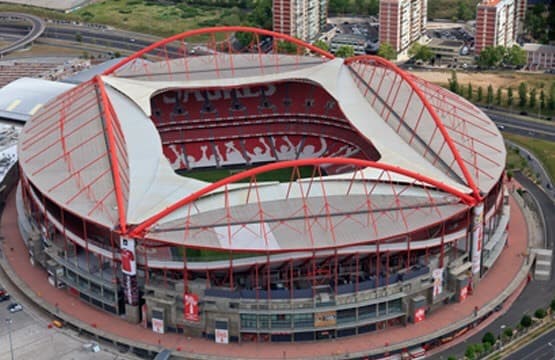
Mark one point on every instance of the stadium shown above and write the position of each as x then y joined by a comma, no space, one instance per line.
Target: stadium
261,193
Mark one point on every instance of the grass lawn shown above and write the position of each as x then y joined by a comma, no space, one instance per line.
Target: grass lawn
544,151
143,17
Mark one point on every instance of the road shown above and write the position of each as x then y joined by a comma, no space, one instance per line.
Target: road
515,125
543,348
37,29
536,294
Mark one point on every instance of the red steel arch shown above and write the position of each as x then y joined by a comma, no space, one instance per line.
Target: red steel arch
142,227
213,30
428,106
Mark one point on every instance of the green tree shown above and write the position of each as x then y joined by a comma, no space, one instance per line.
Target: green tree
421,52
469,91
489,96
540,313
453,82
508,332
451,357
542,99
498,96
286,47
522,90
78,37
515,56
345,51
322,45
487,348
535,23
480,95
488,338
478,349
387,51
464,12
338,6
470,353
510,96
261,14
244,38
551,101
526,321
532,99
552,305
491,56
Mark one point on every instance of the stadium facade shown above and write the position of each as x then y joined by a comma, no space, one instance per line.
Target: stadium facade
245,195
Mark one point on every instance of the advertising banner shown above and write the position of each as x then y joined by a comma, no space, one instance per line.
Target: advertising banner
326,318
158,325
127,254
221,336
437,276
463,293
419,315
477,237
191,307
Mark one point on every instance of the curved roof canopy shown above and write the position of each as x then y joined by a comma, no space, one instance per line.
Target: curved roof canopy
95,151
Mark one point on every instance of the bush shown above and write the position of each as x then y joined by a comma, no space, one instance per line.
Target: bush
508,332
540,313
488,338
451,358
487,347
552,305
470,353
526,321
479,349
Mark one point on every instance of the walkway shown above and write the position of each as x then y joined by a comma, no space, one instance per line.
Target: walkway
498,278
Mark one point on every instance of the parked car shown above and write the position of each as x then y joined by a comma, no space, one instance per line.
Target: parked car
15,307
4,297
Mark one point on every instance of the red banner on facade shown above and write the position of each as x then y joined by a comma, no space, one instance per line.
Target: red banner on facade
419,315
191,307
463,293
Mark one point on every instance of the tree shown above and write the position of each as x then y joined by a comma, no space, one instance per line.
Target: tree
551,102
508,332
244,38
489,96
345,51
515,56
78,37
322,45
498,96
453,82
491,56
464,12
286,47
488,338
510,96
261,15
532,100
522,90
542,99
526,321
487,348
451,357
470,353
421,52
478,348
552,305
540,313
469,91
387,51
480,96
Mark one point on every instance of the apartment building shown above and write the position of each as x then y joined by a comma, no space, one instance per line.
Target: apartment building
402,22
495,24
303,19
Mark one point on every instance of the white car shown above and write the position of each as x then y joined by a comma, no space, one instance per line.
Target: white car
15,307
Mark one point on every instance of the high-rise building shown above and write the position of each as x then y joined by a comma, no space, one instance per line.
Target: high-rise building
495,24
402,22
303,19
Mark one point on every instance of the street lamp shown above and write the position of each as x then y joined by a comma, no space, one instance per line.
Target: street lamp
8,324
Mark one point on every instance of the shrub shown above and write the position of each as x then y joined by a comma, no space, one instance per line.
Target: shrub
470,353
479,349
508,332
540,313
526,321
487,347
488,338
451,358
552,305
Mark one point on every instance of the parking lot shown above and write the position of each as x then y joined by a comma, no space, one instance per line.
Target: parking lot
33,339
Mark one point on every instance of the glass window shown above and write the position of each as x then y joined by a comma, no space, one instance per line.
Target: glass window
367,312
382,309
281,321
395,306
303,320
248,321
264,321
